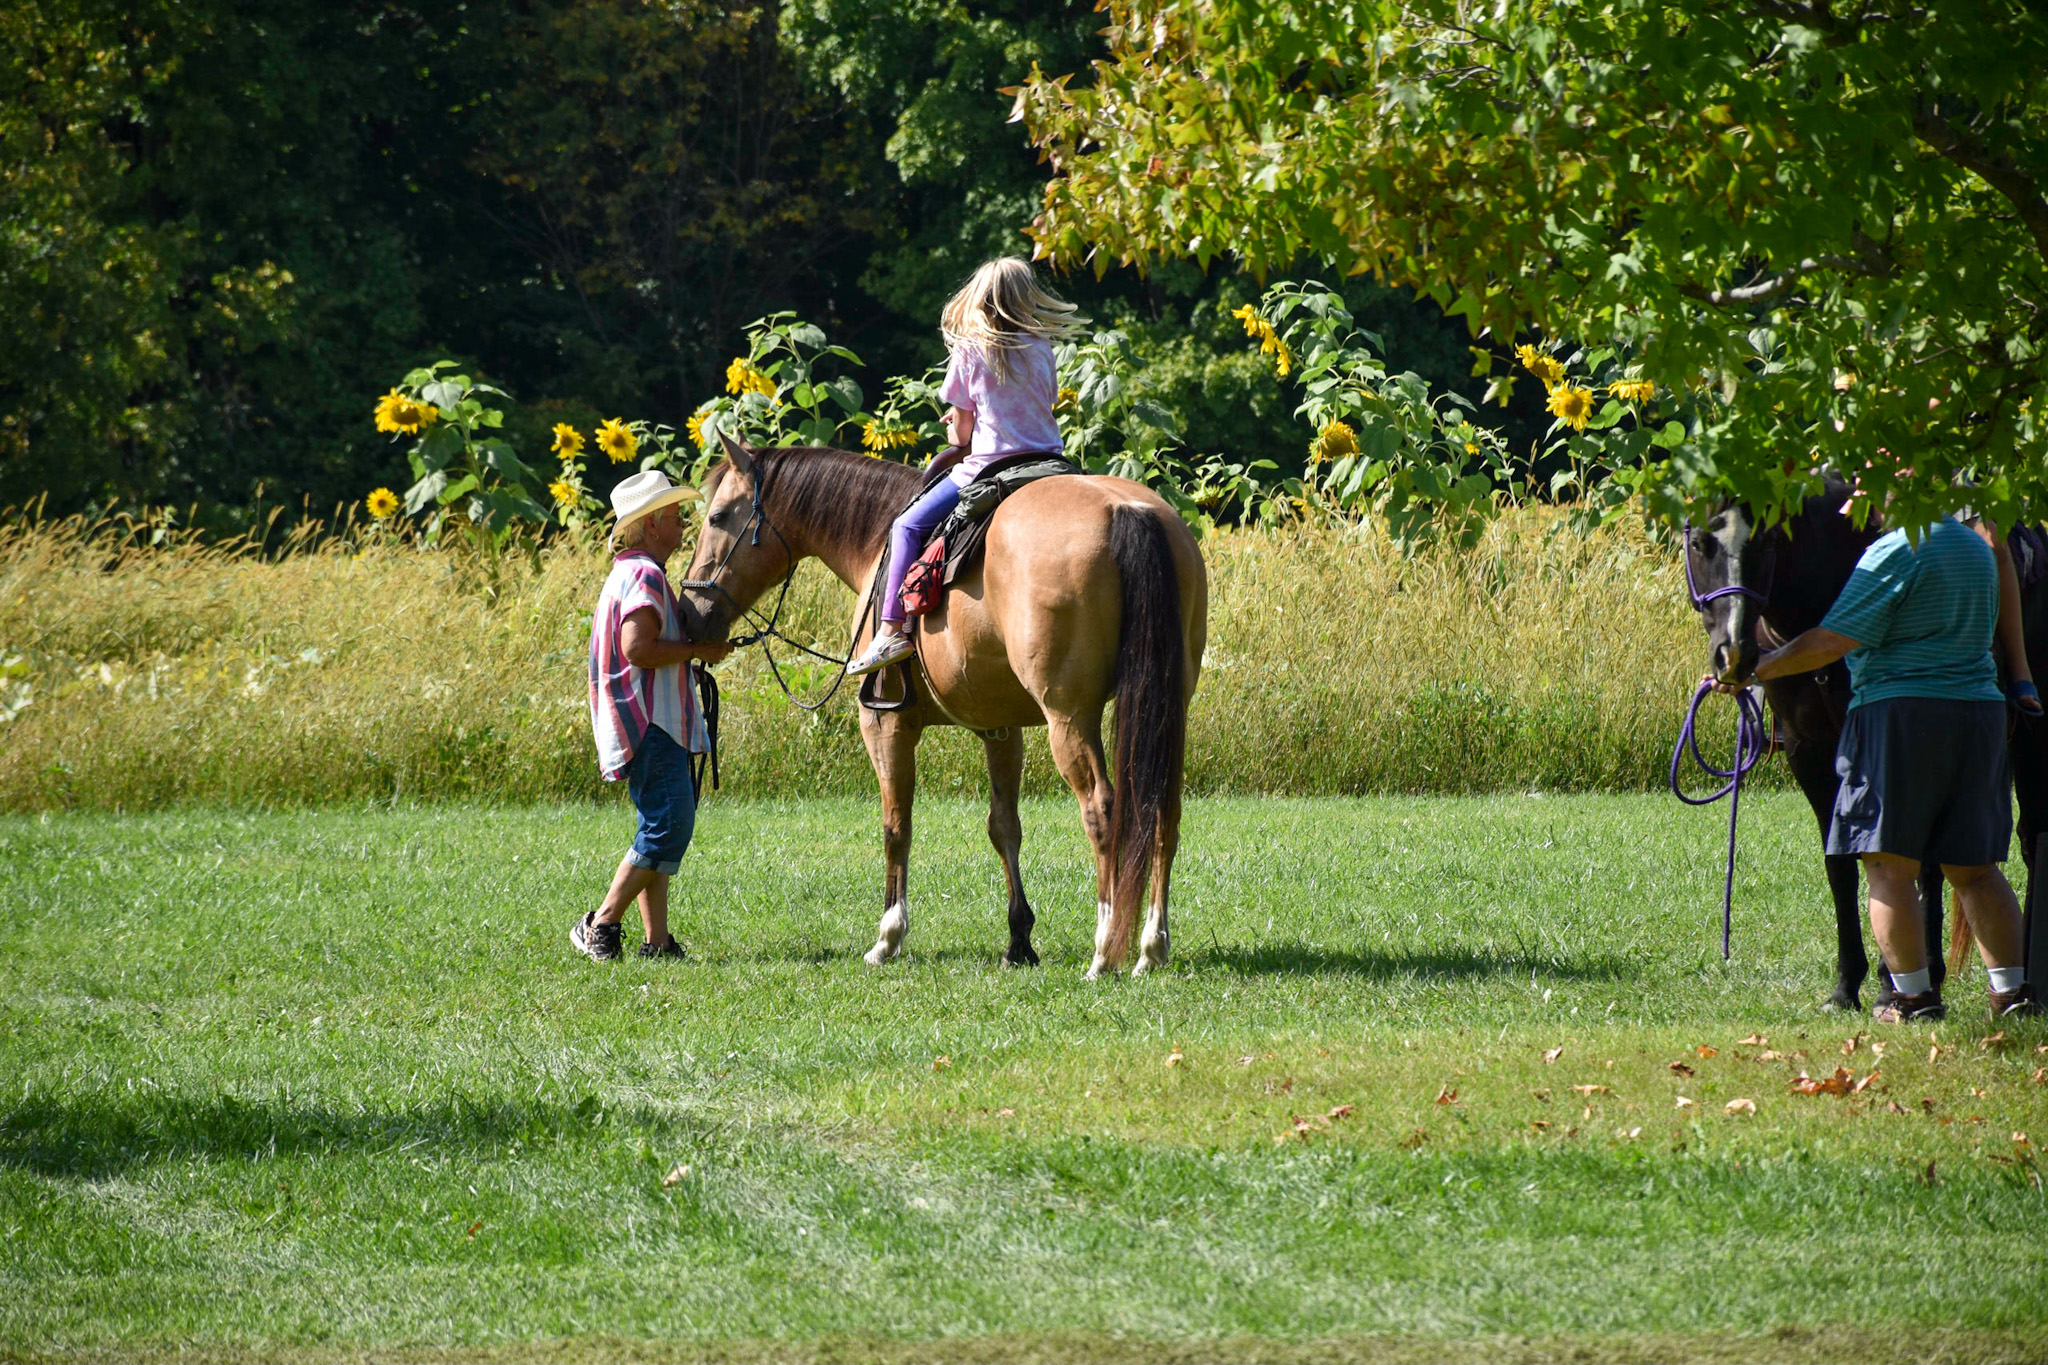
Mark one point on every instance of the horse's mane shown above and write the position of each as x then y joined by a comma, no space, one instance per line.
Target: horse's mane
831,495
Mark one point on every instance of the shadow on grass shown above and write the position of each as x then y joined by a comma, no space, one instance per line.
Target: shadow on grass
1301,959
95,1137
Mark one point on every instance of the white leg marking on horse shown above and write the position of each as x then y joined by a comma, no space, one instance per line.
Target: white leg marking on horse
1101,963
1152,944
889,934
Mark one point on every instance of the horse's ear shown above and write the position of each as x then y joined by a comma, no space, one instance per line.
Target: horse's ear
742,458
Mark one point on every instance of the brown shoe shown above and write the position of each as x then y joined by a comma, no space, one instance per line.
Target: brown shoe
1911,1009
2016,1004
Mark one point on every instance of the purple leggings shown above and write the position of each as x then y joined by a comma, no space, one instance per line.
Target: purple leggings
907,538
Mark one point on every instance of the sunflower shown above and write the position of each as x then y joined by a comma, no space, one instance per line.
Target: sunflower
396,413
1544,367
1336,441
880,439
1571,405
1068,400
617,440
568,441
1269,340
741,377
563,492
695,426
382,503
1633,390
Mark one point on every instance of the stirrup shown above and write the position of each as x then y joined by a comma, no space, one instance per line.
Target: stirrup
882,651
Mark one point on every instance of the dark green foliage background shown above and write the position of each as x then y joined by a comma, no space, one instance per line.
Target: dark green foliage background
226,226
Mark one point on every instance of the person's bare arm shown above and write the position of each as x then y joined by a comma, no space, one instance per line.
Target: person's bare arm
1803,653
2012,630
640,638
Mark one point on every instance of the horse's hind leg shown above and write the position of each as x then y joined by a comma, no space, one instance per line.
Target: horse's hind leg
1077,752
1153,944
1006,832
892,747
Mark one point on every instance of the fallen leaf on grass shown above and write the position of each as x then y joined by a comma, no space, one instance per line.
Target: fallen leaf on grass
1684,1103
1894,1107
1706,1051
1928,1176
1975,1093
675,1177
2019,1140
1927,1103
1342,1111
474,1228
2041,1075
1739,1107
1591,1090
1245,1060
1877,1049
1006,1113
1753,1040
1447,1095
1768,1056
1553,1054
1933,1051
1849,1045
1837,1084
1414,1139
1630,1133
1992,1040
1539,1124
1174,1058
1543,1095
1865,1083
941,1063
1681,1068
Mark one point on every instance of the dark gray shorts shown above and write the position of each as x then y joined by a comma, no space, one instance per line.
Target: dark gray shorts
1925,779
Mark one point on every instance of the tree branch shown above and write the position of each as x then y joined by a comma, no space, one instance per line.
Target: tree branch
1994,168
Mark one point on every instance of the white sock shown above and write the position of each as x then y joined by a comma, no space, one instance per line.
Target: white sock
2005,980
1913,983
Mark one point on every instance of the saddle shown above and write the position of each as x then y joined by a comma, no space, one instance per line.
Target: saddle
955,547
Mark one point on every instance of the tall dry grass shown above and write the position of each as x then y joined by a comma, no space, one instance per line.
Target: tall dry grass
352,668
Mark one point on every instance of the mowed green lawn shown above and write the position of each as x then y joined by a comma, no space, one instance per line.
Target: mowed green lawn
332,1084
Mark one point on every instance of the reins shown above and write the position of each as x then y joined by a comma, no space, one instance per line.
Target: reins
1751,739
768,628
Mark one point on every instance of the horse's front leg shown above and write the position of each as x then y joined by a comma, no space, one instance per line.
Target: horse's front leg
1813,768
892,748
1006,832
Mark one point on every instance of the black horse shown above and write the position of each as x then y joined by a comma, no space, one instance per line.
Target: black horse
1755,590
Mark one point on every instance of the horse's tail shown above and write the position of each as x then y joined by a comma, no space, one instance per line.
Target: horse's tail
1151,707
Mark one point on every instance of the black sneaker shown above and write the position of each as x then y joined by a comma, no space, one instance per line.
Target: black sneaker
671,950
599,941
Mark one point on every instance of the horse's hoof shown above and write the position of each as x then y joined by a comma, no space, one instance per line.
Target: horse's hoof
1843,1000
878,956
1096,971
1013,957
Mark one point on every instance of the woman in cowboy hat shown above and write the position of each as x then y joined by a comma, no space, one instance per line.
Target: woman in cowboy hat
644,712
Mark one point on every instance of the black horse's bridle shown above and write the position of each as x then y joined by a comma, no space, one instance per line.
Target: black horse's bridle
769,628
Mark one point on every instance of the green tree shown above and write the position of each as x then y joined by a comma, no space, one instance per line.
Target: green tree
1818,230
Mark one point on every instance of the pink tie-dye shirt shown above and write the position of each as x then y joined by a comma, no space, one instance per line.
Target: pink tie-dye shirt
1008,418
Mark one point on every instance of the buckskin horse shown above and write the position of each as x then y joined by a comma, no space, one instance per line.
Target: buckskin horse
1089,588
1756,589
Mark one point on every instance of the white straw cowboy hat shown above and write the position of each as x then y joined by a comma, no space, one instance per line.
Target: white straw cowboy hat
647,491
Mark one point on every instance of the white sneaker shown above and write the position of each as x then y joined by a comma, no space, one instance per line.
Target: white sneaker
886,648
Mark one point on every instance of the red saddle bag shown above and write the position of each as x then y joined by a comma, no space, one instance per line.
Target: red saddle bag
924,585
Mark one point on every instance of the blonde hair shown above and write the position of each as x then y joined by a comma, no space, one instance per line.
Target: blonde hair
1000,309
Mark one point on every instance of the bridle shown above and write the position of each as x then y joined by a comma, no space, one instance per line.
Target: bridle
769,628
1700,599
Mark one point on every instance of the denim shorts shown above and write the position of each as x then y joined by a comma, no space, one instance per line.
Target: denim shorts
1924,778
666,797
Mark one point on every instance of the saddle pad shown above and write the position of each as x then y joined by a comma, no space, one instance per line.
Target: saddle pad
966,527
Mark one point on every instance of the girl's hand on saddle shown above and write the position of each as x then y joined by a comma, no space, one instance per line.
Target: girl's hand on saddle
946,459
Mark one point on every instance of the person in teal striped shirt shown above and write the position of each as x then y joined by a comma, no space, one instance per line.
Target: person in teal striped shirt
1923,752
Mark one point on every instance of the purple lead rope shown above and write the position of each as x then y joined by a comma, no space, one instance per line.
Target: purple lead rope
1749,751
1749,740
